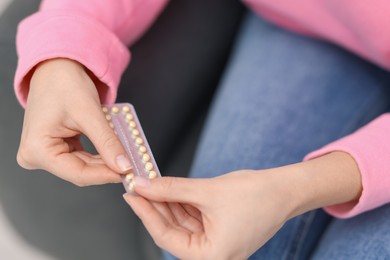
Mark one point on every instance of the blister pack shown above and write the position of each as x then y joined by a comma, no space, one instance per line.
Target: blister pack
123,119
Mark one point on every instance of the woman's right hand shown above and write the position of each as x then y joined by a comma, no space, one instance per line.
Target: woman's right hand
63,103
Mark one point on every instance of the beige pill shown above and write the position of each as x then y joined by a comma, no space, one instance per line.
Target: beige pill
148,166
142,149
139,140
135,132
145,157
131,186
125,109
108,117
132,124
152,174
129,177
104,109
114,109
129,117
111,125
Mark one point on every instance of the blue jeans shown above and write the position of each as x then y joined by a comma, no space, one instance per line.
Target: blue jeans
282,96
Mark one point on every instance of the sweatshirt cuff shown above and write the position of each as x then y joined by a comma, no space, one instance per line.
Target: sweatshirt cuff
56,34
370,147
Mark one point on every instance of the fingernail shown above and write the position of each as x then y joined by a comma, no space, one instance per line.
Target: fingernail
123,163
141,182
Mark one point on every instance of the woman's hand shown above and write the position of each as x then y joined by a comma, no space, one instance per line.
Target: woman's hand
231,216
227,217
63,103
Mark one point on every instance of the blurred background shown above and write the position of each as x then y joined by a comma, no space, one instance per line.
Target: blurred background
12,245
43,217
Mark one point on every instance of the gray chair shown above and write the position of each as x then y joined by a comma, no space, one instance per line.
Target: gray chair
67,222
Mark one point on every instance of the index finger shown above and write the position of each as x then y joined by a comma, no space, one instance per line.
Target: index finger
82,170
171,189
178,241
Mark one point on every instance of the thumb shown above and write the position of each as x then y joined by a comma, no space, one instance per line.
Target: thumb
170,189
106,142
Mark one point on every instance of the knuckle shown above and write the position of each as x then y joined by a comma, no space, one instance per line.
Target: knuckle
21,160
79,182
26,157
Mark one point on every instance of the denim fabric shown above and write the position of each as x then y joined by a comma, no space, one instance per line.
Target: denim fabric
366,236
282,96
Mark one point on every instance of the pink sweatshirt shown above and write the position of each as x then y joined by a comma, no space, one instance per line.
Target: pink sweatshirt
97,36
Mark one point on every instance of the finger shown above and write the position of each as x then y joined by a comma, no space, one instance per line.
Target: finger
171,189
178,242
171,216
165,211
89,158
184,219
105,141
80,170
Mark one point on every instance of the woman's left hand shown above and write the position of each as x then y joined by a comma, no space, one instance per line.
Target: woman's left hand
227,217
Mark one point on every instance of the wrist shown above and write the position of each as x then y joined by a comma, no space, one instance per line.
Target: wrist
56,67
60,70
282,187
59,63
331,179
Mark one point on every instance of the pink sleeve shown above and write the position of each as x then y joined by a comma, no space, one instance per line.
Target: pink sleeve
360,26
370,147
94,33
